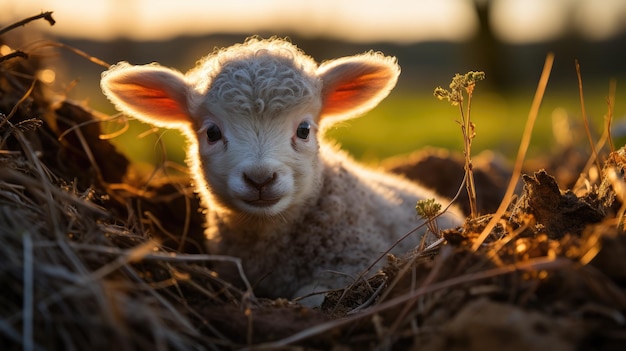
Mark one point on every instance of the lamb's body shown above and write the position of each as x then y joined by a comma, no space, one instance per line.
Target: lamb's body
300,214
356,216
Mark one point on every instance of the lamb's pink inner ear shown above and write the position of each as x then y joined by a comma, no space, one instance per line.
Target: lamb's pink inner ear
354,87
154,95
353,91
150,100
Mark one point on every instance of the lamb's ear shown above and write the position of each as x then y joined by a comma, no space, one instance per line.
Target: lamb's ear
150,93
356,84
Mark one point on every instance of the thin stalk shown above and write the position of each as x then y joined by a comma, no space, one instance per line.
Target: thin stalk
610,101
521,154
585,119
464,84
468,135
45,15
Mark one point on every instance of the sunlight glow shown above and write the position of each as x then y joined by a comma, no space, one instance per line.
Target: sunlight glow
523,21
519,21
359,20
599,20
5,50
401,21
46,76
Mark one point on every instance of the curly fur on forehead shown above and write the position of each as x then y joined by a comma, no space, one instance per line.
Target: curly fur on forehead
259,78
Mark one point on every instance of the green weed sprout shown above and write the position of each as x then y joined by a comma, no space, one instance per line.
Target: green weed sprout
461,85
428,209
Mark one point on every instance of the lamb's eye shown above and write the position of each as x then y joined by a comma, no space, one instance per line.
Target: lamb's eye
303,130
214,133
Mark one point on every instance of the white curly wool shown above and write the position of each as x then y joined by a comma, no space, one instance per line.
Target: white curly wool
300,214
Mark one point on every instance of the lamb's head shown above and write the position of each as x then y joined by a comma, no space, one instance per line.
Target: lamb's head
253,114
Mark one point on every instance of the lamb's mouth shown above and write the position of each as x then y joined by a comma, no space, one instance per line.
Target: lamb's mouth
262,202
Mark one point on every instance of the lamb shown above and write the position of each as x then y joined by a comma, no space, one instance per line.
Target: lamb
300,214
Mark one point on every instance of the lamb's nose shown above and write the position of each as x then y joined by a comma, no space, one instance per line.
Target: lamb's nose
259,181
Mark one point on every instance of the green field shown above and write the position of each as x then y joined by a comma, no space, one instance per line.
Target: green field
406,122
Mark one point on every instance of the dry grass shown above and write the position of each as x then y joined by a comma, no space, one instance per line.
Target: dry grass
92,259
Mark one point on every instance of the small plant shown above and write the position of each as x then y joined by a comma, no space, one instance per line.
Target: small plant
428,209
464,84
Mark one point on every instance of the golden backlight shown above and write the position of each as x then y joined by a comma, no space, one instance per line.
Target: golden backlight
515,21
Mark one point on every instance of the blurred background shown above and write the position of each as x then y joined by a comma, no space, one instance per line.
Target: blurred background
433,40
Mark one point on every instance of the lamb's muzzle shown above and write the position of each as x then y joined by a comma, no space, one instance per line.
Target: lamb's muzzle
263,192
300,214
